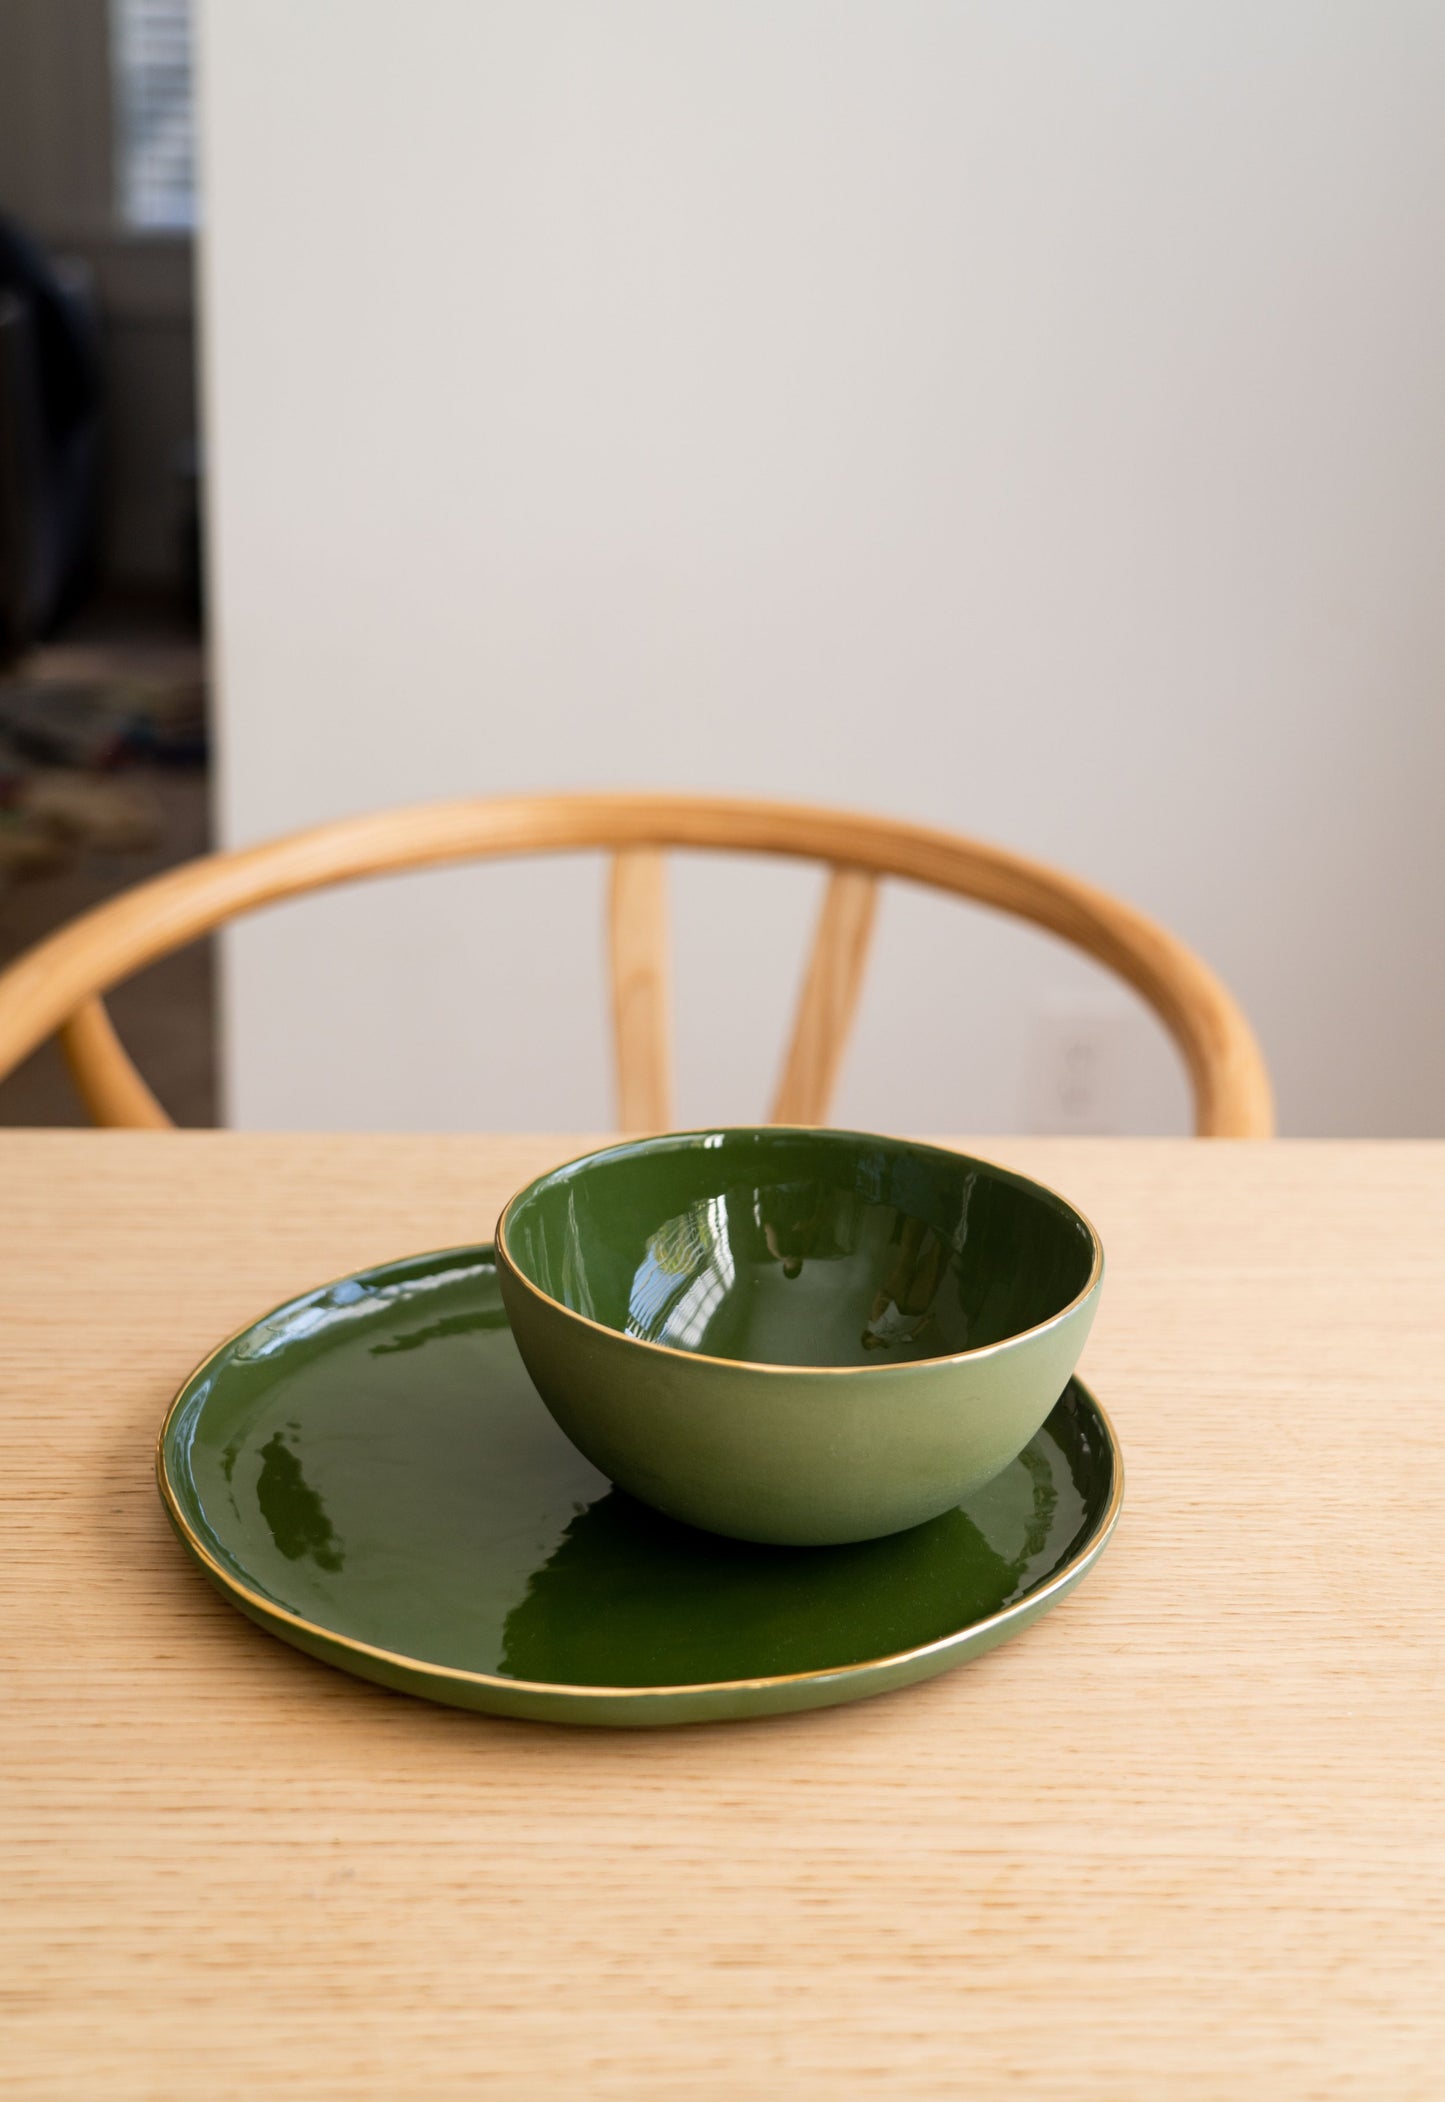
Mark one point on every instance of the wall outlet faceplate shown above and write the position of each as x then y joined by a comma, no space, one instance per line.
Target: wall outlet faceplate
1075,1070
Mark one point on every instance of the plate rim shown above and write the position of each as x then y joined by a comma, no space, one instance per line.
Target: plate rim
257,1605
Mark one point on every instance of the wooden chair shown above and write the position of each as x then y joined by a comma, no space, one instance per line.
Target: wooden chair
58,984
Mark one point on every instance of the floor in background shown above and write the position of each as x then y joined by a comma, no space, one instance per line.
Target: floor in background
86,834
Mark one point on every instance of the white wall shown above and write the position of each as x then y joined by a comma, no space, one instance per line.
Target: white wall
1027,418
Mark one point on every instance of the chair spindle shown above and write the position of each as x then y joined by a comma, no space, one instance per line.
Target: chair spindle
641,989
829,998
105,1079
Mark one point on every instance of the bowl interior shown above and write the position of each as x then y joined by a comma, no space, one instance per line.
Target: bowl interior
786,1247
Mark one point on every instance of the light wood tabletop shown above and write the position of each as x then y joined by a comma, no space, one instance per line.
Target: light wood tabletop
1183,1838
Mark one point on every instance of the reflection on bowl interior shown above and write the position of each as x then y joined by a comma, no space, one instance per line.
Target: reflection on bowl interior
800,1249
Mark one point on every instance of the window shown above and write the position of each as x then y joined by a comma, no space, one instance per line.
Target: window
150,43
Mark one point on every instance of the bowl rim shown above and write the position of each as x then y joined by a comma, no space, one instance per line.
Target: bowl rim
652,1140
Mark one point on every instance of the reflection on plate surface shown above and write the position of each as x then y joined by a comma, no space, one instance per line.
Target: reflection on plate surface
373,1461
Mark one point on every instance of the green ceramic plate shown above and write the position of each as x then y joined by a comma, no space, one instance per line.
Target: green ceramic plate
369,1473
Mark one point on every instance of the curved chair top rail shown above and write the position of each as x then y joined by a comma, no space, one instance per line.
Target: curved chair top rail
55,986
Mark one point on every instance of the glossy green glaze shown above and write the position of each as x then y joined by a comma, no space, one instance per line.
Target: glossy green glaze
369,1473
792,1336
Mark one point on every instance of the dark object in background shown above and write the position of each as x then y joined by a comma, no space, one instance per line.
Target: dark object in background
192,545
97,725
50,430
63,725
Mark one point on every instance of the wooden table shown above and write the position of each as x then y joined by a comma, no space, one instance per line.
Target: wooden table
1183,1839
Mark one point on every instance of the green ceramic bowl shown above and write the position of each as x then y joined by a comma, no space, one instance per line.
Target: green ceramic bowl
796,1336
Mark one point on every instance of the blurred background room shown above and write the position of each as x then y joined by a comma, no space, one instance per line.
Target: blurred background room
1025,420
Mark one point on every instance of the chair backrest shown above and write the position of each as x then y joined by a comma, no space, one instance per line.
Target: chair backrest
57,985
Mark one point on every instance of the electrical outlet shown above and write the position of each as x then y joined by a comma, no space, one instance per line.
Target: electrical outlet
1074,1077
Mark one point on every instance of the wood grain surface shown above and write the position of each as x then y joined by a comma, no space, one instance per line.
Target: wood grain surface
1183,1839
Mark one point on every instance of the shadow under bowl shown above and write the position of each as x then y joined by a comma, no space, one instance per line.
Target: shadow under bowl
796,1336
